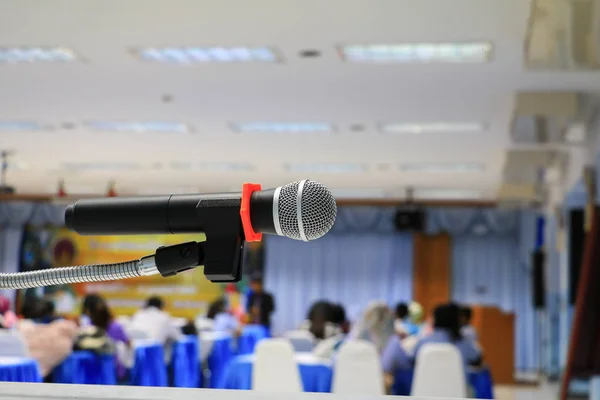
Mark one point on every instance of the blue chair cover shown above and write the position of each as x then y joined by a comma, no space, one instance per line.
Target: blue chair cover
149,367
86,367
19,369
251,334
221,354
238,375
480,380
185,364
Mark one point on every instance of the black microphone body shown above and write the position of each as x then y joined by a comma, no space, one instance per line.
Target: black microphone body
189,213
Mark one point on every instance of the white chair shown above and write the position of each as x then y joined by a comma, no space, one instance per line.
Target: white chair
301,340
439,372
358,369
275,369
12,344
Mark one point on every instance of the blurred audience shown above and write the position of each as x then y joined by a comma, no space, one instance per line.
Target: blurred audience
89,302
403,324
319,320
48,343
376,325
46,312
326,348
223,320
447,329
260,304
155,321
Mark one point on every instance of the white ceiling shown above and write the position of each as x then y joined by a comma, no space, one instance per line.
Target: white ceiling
112,85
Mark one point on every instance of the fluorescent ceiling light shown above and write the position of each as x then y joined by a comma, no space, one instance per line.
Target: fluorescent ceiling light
22,126
283,127
138,126
15,55
442,168
202,55
17,166
418,52
212,166
447,194
326,168
99,166
432,127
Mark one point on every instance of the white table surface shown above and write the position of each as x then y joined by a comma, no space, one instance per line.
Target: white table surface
19,391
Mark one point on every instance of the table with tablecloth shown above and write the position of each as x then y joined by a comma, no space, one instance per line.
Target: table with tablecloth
149,368
19,369
251,334
316,374
217,349
86,367
185,365
479,379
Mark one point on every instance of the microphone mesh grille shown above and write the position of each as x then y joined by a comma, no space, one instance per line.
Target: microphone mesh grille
317,210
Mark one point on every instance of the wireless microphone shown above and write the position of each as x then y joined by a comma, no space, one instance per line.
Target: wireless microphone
303,210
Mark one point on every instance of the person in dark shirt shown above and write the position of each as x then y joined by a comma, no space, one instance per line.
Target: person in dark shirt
260,304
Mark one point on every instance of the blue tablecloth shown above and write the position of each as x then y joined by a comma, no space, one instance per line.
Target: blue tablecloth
185,364
316,375
221,354
149,367
251,334
85,367
480,380
19,369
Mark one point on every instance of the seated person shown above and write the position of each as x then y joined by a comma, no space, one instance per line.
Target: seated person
467,330
223,321
326,348
156,322
376,326
403,324
446,329
319,321
49,344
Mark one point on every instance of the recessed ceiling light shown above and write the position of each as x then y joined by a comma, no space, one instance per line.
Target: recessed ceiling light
138,126
16,55
417,52
326,168
99,166
432,127
447,194
212,166
441,167
283,127
203,55
23,126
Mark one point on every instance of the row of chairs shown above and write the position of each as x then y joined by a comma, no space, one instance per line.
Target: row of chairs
439,370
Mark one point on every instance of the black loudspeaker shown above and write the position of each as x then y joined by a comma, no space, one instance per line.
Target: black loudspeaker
409,220
538,261
577,238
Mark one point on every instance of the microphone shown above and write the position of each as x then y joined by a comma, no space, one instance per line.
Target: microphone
303,210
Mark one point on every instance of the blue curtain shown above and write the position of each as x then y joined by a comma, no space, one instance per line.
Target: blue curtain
352,269
489,270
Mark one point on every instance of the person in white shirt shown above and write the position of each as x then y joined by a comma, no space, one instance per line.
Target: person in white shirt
155,322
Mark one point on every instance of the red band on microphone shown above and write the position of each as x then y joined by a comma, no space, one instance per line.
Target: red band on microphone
247,190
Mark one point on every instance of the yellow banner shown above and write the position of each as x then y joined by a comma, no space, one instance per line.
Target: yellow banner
186,294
